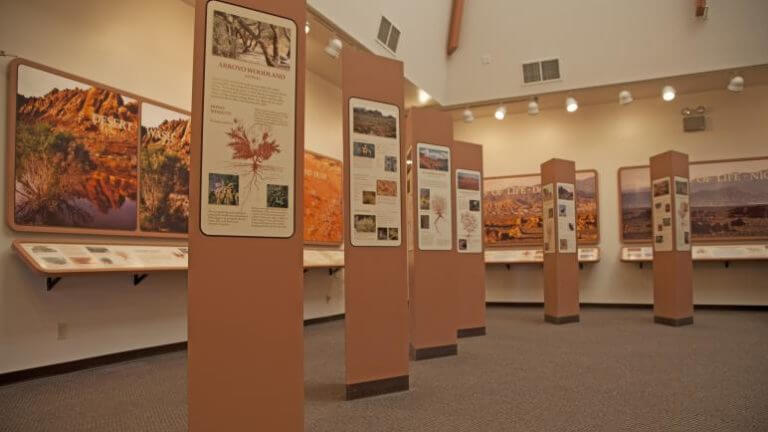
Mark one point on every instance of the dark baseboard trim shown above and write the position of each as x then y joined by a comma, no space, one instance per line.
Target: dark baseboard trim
470,332
77,365
561,319
377,387
433,352
634,306
674,322
324,319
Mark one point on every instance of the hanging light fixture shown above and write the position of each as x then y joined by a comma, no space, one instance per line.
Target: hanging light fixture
625,97
424,97
571,105
736,84
668,93
533,106
306,27
334,47
468,116
500,113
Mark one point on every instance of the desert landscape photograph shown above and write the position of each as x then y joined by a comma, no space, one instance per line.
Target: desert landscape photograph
433,159
729,200
251,41
323,221
75,154
635,194
587,227
468,181
374,122
164,173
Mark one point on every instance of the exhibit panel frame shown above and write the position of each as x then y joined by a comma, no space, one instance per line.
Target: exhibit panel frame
90,140
714,218
538,240
247,330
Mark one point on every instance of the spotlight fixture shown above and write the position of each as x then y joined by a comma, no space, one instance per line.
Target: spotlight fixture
625,97
424,97
306,27
736,84
468,116
334,47
533,106
571,105
668,93
500,113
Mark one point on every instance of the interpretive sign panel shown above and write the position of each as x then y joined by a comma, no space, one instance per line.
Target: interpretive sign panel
566,218
249,120
434,183
374,188
662,215
468,212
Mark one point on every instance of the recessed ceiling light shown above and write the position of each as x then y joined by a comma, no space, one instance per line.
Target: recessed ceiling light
334,47
736,84
500,113
424,97
668,93
533,106
571,105
625,97
468,116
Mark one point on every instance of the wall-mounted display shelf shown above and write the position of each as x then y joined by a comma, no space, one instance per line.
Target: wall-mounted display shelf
726,253
535,256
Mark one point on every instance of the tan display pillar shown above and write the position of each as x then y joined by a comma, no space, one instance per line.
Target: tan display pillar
561,267
468,208
672,265
375,277
245,229
434,294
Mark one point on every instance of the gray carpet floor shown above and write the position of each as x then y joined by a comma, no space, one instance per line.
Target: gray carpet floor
614,371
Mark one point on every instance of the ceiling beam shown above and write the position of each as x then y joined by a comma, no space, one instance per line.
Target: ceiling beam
455,29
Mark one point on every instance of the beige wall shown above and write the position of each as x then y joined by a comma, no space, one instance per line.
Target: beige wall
123,45
606,137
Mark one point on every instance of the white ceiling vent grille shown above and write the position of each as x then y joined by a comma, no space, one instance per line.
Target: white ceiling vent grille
541,71
388,35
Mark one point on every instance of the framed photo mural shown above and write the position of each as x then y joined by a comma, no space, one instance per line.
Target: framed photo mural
728,200
323,212
512,210
81,153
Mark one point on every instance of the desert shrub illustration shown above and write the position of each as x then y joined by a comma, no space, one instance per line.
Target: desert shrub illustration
439,208
469,223
250,154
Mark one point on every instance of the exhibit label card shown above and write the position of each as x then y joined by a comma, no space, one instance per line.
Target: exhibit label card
468,212
434,183
548,213
566,218
374,173
99,257
662,215
682,215
249,121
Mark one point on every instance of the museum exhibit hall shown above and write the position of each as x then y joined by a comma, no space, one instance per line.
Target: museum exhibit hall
436,215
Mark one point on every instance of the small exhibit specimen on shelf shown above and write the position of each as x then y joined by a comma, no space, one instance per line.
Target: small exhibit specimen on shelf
164,161
728,200
251,41
512,209
323,221
76,151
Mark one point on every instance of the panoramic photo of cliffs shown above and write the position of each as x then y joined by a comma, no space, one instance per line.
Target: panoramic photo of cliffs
76,151
164,193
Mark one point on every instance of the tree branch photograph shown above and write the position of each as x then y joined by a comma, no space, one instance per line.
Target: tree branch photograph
251,41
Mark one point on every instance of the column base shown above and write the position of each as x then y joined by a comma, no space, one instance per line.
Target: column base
470,332
433,352
377,387
674,322
561,319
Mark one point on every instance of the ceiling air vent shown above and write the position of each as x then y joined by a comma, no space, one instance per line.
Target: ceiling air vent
388,35
541,71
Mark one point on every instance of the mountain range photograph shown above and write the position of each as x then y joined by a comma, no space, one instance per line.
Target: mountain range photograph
76,154
164,193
